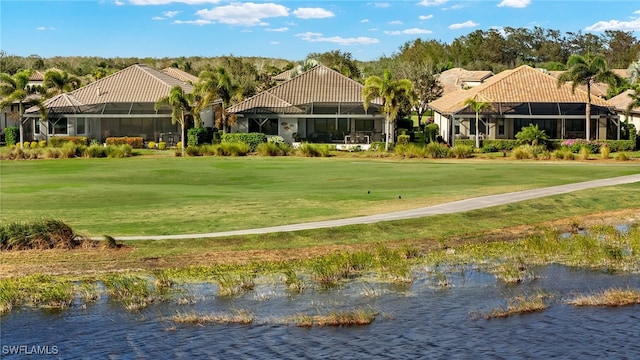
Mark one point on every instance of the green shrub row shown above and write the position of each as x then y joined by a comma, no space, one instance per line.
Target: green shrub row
135,142
68,150
251,139
199,136
59,141
490,145
434,150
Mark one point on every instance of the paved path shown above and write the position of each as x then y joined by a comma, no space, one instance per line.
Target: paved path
447,208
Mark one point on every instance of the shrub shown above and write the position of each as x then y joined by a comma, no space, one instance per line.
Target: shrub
576,144
563,154
11,135
59,141
410,151
119,151
179,145
162,145
622,156
34,145
95,151
251,139
42,144
192,151
52,153
584,153
403,139
276,140
314,150
619,145
431,132
26,145
151,145
235,149
199,136
462,151
39,234
273,149
532,135
136,142
528,152
437,150
489,148
69,150
605,151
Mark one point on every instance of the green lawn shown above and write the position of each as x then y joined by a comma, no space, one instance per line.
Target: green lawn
155,196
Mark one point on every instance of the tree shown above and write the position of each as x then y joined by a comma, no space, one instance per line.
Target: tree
426,86
392,92
338,61
216,86
532,135
634,72
58,82
478,107
587,70
15,89
181,104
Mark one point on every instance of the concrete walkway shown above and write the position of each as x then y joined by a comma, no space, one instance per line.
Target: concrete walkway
447,208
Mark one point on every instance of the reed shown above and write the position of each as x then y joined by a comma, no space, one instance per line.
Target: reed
134,292
354,317
232,284
87,291
610,297
293,281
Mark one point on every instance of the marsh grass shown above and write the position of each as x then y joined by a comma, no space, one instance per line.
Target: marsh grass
39,234
87,291
293,281
233,283
512,272
234,317
354,317
521,304
132,291
610,297
36,290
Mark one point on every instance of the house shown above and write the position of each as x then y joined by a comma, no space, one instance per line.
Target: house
180,75
458,78
121,104
520,97
598,89
621,103
319,105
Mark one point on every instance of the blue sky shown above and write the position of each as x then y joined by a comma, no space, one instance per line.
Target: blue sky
282,29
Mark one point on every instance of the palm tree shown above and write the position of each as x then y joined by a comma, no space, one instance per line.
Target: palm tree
587,70
478,107
634,71
181,104
58,82
15,89
214,86
392,92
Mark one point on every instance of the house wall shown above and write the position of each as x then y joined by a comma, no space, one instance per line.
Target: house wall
443,125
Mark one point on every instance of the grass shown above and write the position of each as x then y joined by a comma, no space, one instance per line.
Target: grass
521,304
156,196
235,317
354,317
609,297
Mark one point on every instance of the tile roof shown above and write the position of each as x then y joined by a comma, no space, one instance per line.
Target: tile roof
597,89
521,85
134,84
283,76
180,75
622,101
456,78
317,85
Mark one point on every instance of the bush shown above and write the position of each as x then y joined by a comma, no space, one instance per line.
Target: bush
235,149
199,136
488,148
39,234
42,144
34,145
410,151
462,151
273,149
119,151
136,142
251,139
605,151
95,151
314,150
192,151
437,150
619,145
179,145
529,152
622,156
11,135
162,145
584,153
575,145
563,154
431,132
151,145
69,150
404,139
59,141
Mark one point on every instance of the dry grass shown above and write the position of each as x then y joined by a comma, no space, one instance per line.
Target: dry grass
235,317
355,317
610,297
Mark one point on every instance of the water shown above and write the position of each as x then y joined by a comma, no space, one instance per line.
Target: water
420,320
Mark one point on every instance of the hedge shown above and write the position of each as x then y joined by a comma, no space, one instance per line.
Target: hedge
199,136
251,139
59,141
135,142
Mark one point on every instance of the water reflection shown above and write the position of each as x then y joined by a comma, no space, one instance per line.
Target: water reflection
418,320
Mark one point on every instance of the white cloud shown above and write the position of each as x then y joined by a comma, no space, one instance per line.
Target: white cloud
312,13
282,29
364,21
465,24
454,7
633,25
44,28
515,3
381,5
165,2
170,14
274,43
425,17
245,14
413,31
192,22
395,22
432,2
318,37
637,12
157,18
118,3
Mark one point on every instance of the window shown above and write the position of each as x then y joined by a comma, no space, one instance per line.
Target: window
265,126
81,126
58,127
364,125
500,126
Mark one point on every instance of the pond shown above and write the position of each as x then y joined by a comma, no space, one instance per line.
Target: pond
422,319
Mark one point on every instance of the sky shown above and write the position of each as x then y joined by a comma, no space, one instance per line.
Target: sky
282,29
